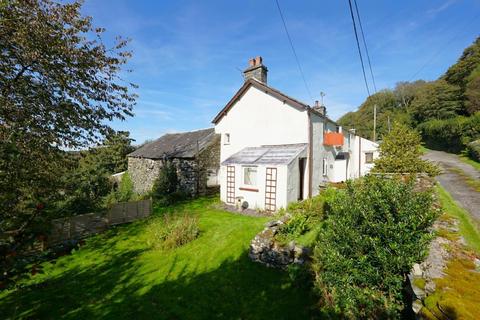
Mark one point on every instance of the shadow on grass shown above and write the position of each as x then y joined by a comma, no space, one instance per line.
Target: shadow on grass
115,289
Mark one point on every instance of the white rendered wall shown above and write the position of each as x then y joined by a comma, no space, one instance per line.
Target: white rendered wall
357,164
261,119
255,199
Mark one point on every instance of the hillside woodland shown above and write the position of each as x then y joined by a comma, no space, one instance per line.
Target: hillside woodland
445,111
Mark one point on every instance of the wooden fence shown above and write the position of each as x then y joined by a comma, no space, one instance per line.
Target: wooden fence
78,227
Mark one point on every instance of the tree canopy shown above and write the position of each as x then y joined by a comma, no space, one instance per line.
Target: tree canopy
60,86
436,104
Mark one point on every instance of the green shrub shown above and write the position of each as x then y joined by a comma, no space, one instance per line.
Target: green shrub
400,152
172,231
473,150
452,134
374,231
123,193
305,216
166,189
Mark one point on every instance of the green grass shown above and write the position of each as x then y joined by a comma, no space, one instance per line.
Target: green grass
117,275
470,161
468,228
424,149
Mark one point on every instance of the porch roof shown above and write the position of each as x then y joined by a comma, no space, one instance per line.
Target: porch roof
267,155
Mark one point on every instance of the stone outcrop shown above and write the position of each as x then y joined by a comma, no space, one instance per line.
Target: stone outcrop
265,249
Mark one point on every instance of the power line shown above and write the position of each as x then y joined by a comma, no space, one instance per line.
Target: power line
293,50
358,46
365,44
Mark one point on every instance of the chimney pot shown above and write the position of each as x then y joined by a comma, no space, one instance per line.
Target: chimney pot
251,62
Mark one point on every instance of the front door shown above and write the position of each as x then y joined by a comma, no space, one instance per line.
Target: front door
301,169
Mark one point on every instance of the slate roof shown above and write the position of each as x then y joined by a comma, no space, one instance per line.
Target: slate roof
176,145
269,154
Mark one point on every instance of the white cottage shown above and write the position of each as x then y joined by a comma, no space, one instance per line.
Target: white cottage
276,150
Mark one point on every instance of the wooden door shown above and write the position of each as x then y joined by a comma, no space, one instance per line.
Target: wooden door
271,190
231,184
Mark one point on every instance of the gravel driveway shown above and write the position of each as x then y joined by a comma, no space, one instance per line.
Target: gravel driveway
455,183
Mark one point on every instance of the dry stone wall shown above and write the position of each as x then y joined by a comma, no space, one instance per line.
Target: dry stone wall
268,251
143,173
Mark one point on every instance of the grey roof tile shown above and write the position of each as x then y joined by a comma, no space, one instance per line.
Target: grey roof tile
176,145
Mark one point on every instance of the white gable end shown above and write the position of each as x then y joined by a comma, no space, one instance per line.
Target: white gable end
259,118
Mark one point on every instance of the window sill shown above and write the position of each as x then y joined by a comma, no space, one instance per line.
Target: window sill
248,189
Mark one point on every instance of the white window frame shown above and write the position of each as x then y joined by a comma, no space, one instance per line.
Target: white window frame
226,138
244,168
366,161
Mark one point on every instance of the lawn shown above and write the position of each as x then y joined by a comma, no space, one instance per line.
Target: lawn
117,275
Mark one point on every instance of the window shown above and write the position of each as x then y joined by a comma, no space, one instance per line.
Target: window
368,157
226,138
325,166
250,176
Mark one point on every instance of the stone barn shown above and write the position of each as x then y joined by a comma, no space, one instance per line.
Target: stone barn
196,155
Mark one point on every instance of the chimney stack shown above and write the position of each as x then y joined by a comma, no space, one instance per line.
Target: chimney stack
320,108
256,70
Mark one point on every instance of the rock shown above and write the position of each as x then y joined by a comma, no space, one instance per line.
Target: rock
430,287
266,250
417,270
417,306
477,264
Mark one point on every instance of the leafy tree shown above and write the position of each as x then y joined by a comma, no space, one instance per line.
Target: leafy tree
400,153
59,87
86,185
472,92
436,100
112,154
391,105
362,121
458,73
374,232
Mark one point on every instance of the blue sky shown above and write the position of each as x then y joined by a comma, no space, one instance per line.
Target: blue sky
187,54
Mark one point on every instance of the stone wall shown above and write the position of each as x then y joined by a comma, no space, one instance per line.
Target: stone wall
192,173
266,250
143,173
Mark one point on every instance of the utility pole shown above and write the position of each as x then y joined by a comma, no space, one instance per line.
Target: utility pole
374,123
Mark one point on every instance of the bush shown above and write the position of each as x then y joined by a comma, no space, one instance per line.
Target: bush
166,189
452,134
172,231
374,231
473,150
124,193
305,216
400,153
